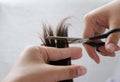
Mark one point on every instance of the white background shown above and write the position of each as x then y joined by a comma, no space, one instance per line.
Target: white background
21,25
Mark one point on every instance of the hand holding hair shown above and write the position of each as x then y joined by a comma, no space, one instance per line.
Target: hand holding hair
32,65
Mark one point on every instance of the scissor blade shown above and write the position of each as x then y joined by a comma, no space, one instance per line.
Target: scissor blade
80,40
70,40
62,38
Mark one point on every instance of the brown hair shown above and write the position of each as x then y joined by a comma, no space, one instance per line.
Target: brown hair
62,30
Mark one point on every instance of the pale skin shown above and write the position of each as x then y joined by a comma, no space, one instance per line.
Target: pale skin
32,65
96,22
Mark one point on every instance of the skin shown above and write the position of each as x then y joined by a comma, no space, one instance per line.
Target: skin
96,22
32,65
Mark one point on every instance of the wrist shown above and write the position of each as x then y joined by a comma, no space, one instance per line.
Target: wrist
8,79
117,1
11,78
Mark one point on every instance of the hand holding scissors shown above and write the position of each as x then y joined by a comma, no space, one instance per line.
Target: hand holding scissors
90,41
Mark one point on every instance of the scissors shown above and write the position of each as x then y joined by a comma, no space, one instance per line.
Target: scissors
89,41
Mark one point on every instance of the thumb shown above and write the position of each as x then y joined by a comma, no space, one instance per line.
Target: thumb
112,40
68,72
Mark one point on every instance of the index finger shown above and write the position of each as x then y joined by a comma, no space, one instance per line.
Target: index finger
54,54
89,31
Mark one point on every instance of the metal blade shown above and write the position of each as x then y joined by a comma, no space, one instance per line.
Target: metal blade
71,40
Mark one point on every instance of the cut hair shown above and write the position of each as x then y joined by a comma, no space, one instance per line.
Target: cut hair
62,30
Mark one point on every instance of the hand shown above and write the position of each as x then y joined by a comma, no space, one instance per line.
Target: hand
32,65
97,21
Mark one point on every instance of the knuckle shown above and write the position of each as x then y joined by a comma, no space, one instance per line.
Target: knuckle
72,72
60,55
114,38
31,48
116,35
88,17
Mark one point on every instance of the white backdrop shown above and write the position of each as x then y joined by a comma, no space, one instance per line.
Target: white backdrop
20,25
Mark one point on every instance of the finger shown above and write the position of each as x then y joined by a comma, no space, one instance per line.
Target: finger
92,53
90,31
104,52
67,72
54,54
112,40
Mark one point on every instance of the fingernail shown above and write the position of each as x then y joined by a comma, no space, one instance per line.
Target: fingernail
112,55
97,61
81,71
111,47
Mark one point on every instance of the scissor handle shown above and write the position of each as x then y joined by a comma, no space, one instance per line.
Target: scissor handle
96,45
105,35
